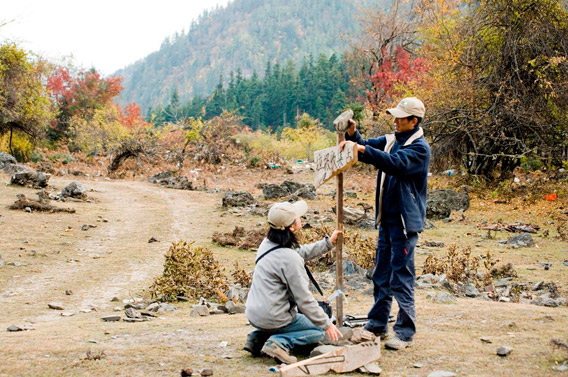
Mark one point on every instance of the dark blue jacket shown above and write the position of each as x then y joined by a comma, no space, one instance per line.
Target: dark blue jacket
406,171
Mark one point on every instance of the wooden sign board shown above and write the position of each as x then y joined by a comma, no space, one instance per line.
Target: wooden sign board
330,162
342,360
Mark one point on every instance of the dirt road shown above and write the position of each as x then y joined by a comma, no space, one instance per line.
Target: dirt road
53,255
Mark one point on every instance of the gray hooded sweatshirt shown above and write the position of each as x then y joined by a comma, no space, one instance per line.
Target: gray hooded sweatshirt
280,282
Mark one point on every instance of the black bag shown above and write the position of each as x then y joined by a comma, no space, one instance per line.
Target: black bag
324,305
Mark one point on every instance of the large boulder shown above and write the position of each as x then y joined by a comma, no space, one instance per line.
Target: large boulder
238,199
272,191
441,203
30,178
290,189
6,159
74,190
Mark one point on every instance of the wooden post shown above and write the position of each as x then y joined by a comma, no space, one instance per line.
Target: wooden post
339,244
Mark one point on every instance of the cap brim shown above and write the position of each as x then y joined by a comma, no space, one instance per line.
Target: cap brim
398,113
301,207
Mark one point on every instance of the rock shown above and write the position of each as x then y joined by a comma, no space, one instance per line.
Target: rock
186,372
85,227
238,199
441,203
67,314
445,298
307,191
172,180
30,178
545,265
371,368
166,308
503,282
74,190
442,373
485,339
142,319
504,351
207,372
111,318
417,365
428,224
153,307
55,306
132,313
320,350
152,240
521,240
233,308
200,311
14,264
13,328
560,368
68,292
360,335
470,290
7,159
538,286
236,293
273,191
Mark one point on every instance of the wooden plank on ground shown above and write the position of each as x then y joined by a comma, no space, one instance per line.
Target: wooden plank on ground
345,359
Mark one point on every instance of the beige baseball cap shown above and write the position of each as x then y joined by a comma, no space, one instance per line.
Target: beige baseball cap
282,215
407,107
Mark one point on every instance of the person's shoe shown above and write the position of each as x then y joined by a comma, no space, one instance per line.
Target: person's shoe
277,352
379,334
250,347
397,344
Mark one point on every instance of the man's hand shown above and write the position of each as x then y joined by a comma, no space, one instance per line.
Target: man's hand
351,127
333,333
334,236
360,148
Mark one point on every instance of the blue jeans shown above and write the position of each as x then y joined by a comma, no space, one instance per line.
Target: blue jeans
300,332
394,275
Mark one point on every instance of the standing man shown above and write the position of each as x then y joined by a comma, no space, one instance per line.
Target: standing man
402,159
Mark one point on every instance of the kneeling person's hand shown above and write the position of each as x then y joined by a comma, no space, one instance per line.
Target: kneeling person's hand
333,333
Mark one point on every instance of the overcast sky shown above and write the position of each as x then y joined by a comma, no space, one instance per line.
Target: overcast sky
105,34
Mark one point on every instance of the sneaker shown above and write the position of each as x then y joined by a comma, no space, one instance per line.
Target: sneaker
397,344
277,352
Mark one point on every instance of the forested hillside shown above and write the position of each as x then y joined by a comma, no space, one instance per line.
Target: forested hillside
245,35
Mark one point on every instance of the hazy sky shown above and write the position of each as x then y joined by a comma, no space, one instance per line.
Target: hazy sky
105,34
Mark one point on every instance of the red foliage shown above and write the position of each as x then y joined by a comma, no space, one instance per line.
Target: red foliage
132,116
395,71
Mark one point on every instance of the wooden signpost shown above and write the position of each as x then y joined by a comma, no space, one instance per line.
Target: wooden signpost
329,163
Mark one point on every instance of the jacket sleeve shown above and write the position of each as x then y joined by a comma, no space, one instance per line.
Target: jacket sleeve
376,143
315,249
406,161
298,284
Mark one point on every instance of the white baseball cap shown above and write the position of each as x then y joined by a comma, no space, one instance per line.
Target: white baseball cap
407,107
282,215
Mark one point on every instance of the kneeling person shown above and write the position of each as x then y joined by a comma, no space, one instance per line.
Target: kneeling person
280,285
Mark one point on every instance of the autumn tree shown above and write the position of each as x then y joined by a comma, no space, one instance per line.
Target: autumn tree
502,84
24,103
307,133
80,95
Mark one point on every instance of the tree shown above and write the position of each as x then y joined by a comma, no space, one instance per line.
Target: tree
24,103
306,133
80,95
500,84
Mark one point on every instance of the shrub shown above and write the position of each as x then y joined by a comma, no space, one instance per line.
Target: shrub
190,271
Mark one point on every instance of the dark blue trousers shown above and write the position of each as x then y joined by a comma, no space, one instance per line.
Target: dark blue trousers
394,275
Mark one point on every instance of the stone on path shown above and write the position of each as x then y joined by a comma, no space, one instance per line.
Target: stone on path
200,311
320,350
14,328
442,373
471,290
56,306
132,313
485,339
504,351
207,372
74,190
521,240
371,368
111,318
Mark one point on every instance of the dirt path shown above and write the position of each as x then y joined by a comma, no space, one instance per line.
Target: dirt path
115,259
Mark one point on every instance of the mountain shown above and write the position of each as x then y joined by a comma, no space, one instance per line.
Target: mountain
245,35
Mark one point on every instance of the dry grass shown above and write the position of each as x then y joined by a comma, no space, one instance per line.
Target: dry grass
115,259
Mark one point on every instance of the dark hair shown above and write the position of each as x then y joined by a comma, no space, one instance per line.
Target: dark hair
285,238
410,117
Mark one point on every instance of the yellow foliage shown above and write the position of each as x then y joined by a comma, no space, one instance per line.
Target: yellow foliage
22,146
100,134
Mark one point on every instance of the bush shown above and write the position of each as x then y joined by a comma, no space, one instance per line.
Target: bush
190,271
22,146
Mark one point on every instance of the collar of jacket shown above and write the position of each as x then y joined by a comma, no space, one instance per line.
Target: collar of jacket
402,137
